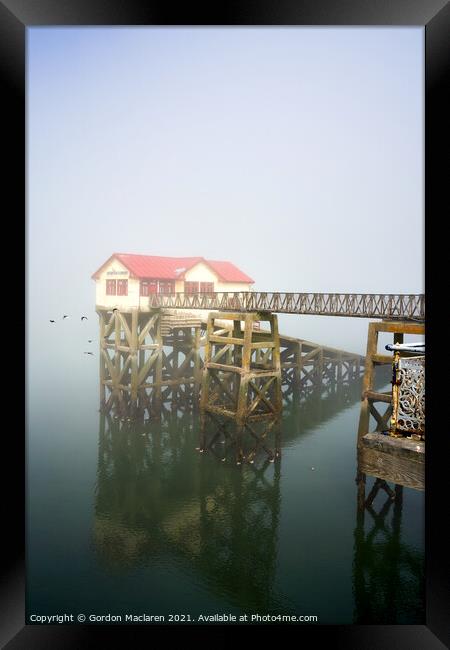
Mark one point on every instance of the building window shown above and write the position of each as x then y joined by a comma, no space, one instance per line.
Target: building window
122,287
144,288
166,287
206,287
191,287
110,287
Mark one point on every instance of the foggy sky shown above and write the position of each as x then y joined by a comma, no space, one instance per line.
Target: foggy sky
296,153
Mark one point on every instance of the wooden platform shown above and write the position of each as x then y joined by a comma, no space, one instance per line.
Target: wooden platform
398,460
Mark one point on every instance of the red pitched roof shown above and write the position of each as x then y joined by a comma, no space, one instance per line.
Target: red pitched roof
229,272
173,268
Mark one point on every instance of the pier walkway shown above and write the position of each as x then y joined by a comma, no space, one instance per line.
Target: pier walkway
354,305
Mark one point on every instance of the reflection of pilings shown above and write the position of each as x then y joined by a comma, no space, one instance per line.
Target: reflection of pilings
139,360
226,440
388,576
240,518
242,370
154,500
312,406
305,364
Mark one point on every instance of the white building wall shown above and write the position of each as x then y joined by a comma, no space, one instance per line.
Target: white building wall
115,270
201,273
233,286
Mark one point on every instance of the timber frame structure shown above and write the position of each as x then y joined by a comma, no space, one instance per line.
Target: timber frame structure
244,364
149,355
383,453
242,379
135,362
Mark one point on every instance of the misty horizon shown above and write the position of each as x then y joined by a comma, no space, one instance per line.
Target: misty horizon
295,154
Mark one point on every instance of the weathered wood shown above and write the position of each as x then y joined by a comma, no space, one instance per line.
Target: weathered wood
382,359
116,343
125,327
399,447
260,395
101,359
262,345
224,367
403,327
206,374
226,340
134,354
145,369
159,361
379,397
398,329
110,366
372,342
145,330
393,459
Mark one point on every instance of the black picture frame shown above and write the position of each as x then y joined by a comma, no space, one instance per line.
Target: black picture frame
434,15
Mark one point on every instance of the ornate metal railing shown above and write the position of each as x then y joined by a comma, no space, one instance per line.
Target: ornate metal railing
359,305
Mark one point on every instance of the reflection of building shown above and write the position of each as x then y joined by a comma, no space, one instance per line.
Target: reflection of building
126,280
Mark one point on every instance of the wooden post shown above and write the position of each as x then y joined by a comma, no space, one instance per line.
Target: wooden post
206,375
134,359
372,344
102,368
276,362
197,367
158,363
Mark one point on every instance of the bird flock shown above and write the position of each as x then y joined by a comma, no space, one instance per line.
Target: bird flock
52,320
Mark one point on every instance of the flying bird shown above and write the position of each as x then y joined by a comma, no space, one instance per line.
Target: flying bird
65,316
89,353
89,340
52,321
84,318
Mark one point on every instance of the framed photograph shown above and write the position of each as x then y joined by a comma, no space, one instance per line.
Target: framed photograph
225,219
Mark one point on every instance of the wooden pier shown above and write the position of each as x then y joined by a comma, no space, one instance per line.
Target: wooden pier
242,368
235,369
146,354
382,453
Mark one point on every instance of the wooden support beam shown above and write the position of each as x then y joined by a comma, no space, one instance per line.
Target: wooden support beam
372,343
101,359
145,330
125,327
379,397
397,460
382,359
226,340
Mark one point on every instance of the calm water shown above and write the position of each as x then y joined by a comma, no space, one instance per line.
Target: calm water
126,522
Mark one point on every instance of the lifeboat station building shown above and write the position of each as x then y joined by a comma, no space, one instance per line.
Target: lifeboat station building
126,280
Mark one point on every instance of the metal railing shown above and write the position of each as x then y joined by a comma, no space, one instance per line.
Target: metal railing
359,305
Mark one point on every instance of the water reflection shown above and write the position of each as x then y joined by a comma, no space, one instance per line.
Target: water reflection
159,501
155,500
388,574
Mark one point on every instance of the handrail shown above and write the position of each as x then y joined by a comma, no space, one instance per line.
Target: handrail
357,305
